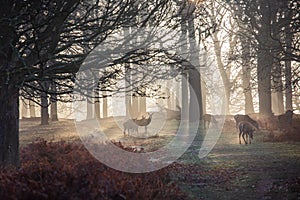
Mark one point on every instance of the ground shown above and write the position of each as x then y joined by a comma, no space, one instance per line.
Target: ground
263,170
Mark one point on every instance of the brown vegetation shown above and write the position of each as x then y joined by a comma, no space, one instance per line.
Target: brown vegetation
67,171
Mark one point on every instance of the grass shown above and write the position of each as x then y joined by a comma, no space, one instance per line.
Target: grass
258,168
262,170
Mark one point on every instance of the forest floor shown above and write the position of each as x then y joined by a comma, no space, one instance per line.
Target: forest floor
263,170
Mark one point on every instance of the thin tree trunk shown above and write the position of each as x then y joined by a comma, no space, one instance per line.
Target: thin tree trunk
105,106
135,107
223,73
128,93
24,107
184,76
288,72
97,103
89,108
54,116
97,108
44,109
169,96
128,86
184,97
277,95
53,106
32,109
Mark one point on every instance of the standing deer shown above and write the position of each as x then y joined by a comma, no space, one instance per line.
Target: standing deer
245,118
144,121
246,129
207,119
130,125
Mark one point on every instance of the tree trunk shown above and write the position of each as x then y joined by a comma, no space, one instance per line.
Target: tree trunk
89,108
142,105
128,88
194,74
97,103
223,73
184,97
169,96
277,94
135,107
264,60
288,72
128,94
97,108
105,106
184,76
246,75
9,126
53,107
44,109
32,108
24,108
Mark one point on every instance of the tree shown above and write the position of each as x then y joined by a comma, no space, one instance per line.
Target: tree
194,71
269,21
63,31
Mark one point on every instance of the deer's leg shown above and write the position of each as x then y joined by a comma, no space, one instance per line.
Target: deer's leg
250,139
240,136
244,138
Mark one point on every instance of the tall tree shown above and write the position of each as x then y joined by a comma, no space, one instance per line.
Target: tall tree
269,21
193,71
63,31
245,38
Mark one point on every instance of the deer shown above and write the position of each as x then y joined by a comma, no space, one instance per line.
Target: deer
246,129
246,118
144,121
207,119
130,125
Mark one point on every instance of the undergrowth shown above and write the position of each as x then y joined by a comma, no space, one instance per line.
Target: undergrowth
61,170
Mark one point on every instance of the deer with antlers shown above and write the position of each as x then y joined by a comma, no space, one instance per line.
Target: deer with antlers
132,124
145,121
